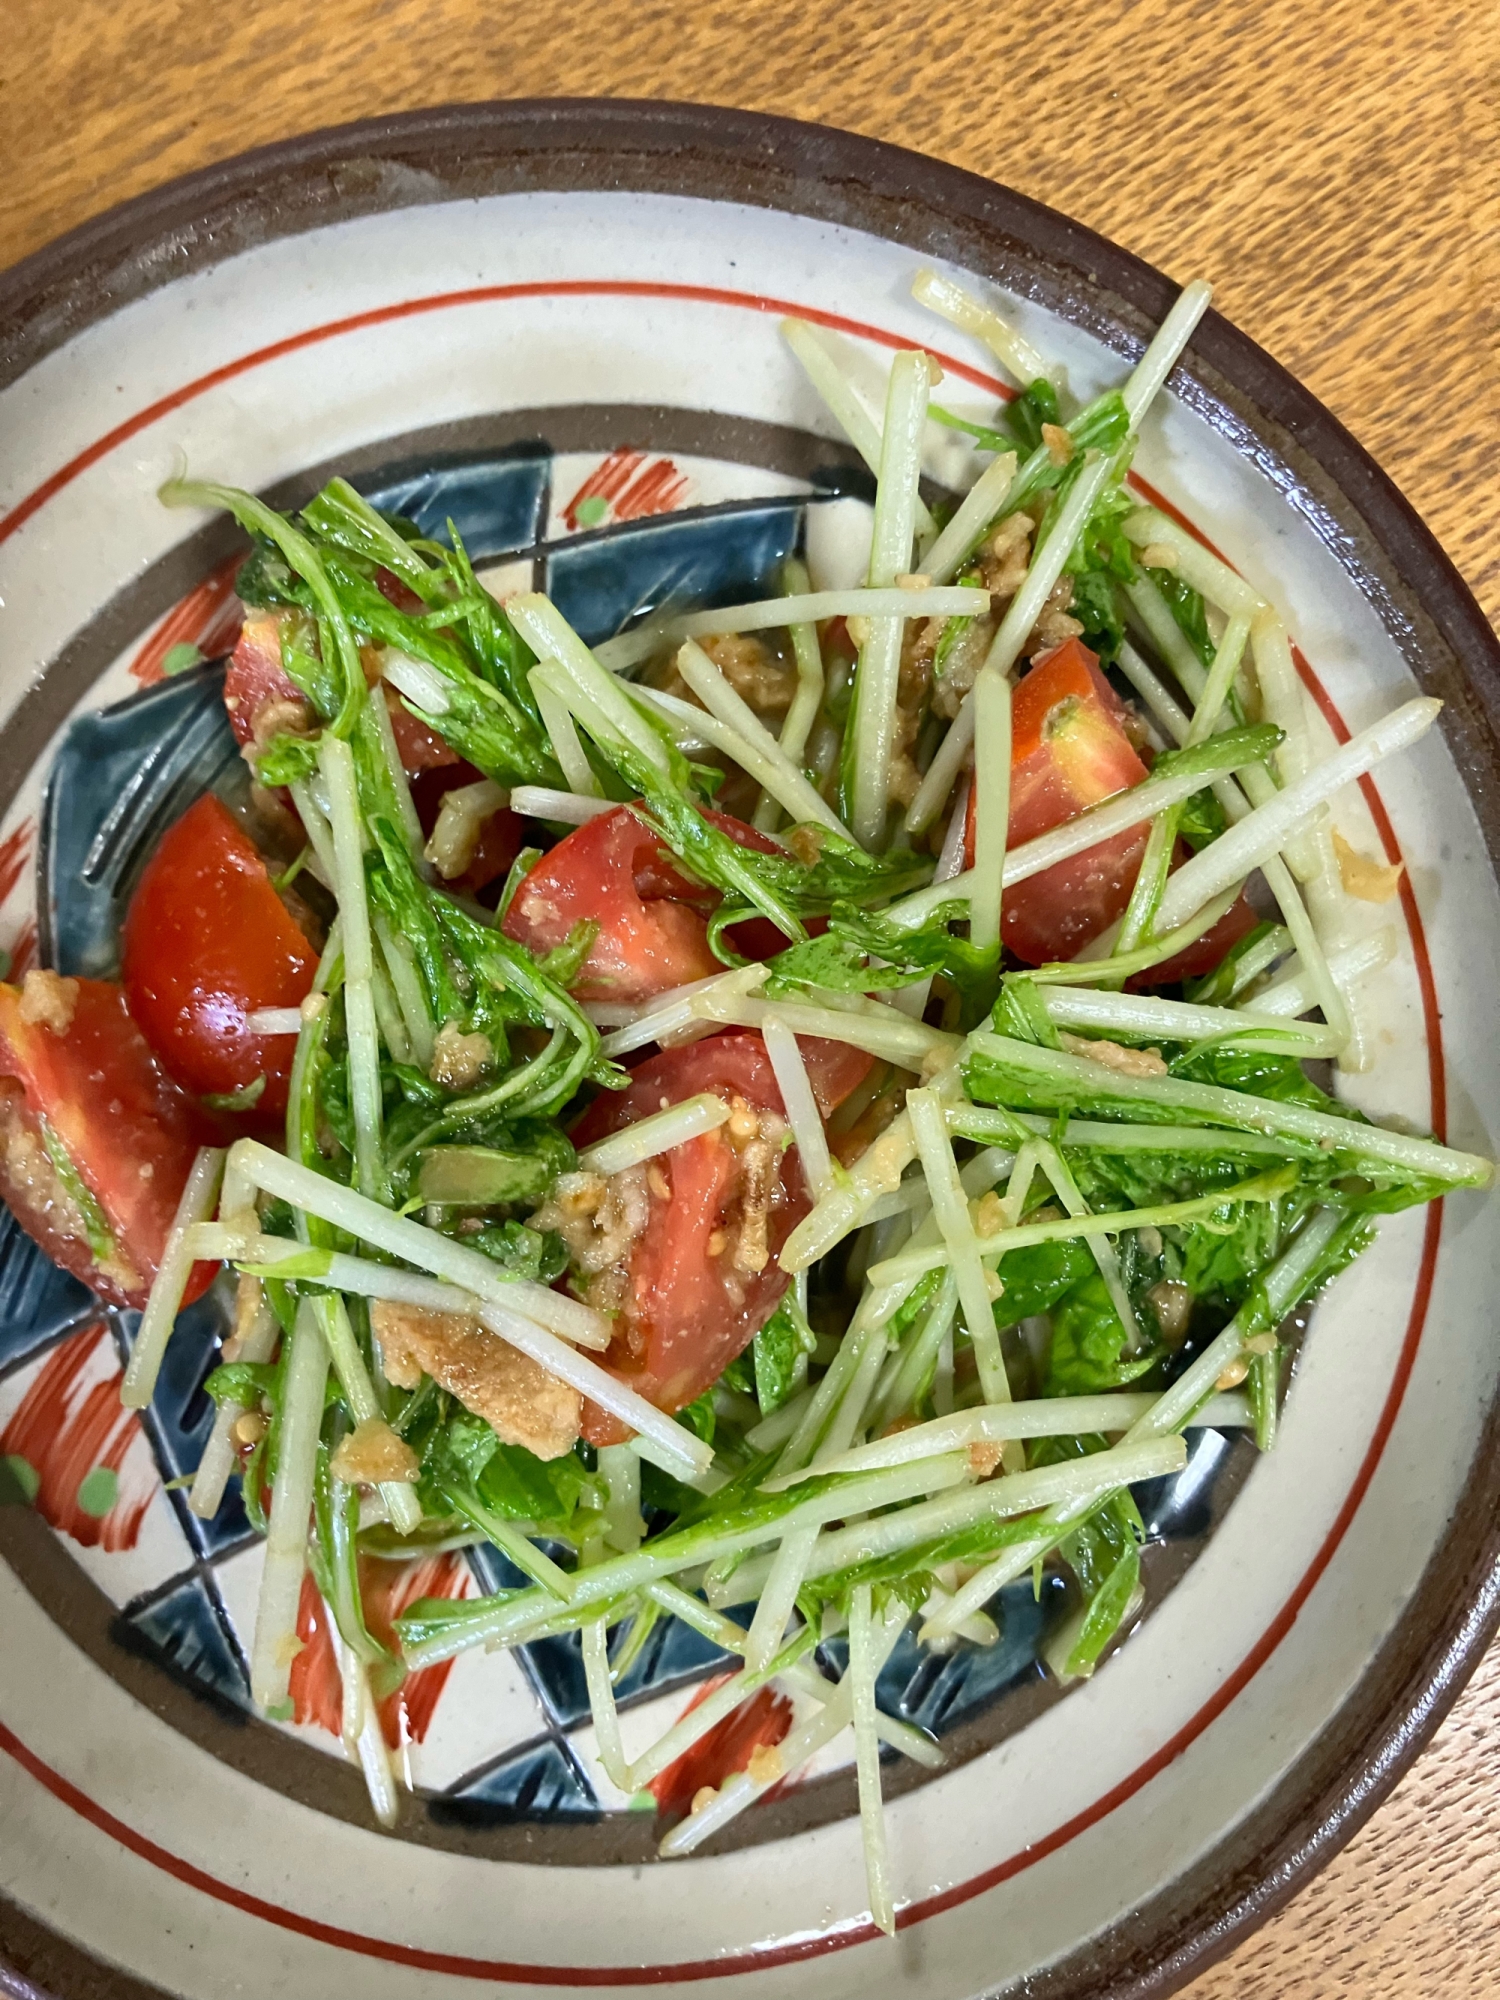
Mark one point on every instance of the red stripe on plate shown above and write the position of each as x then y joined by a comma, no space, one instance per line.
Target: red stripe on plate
441,302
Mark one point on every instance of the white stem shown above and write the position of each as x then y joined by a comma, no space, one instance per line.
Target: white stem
1161,356
863,1651
992,806
760,754
966,530
422,685
876,1172
414,1243
779,1598
1080,1482
1113,1414
1195,564
659,1133
769,614
1240,1109
1117,815
1221,678
194,1206
377,713
1294,994
1015,353
275,1643
800,1105
401,1502
1163,708
670,1018
336,763
873,714
572,808
1258,836
951,1208
566,748
1176,1020
802,1743
406,984
274,1020
1303,932
882,1032
601,1694
554,641
857,423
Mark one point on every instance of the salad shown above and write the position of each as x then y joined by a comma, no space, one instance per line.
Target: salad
779,1120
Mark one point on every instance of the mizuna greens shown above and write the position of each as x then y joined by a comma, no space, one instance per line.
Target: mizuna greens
1058,1217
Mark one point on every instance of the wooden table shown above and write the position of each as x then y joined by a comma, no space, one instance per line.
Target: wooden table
1334,168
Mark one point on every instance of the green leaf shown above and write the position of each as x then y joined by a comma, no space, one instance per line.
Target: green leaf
1025,414
698,1417
248,1095
479,1176
1089,1344
287,760
245,1382
780,1352
518,1486
1189,610
539,1255
1021,1012
1036,1277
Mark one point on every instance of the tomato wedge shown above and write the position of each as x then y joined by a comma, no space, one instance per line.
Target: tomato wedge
1069,750
255,680
653,921
206,940
75,1069
689,1310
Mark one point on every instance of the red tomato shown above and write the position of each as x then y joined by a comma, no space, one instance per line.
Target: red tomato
688,1311
418,747
1068,751
255,677
71,1055
207,939
653,925
1237,921
500,836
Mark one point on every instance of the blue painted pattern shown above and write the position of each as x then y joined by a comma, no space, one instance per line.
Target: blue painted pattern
494,499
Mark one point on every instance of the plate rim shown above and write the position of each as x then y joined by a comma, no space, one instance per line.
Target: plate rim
762,160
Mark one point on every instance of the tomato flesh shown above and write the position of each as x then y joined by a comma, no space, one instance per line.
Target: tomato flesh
207,940
255,677
1069,750
688,1313
128,1131
653,920
1237,922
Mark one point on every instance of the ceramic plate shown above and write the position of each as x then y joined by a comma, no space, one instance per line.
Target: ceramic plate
559,325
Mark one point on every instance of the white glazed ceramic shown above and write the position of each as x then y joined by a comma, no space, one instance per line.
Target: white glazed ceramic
508,262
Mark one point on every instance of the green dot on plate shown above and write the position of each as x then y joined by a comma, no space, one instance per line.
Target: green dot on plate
25,1475
592,511
99,1491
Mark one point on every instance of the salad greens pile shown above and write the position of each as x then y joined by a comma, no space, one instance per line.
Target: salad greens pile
1069,1221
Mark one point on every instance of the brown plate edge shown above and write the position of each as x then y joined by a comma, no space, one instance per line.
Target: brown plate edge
450,152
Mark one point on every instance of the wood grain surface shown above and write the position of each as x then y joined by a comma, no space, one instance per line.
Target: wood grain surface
1334,169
